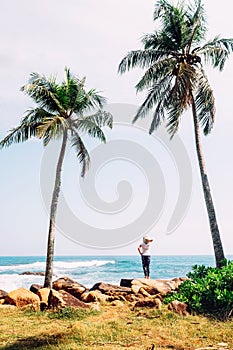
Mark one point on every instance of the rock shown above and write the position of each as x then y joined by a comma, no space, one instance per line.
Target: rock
64,299
144,292
223,345
43,294
179,308
159,296
122,297
74,288
109,292
158,303
71,301
89,297
134,297
7,306
126,282
31,307
117,303
106,288
3,294
149,303
154,287
149,293
55,300
116,295
95,306
94,295
33,273
176,282
21,297
35,287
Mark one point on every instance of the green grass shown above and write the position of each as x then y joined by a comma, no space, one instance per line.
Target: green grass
112,328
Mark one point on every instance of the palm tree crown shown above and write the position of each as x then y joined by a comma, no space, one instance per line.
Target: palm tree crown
173,57
62,108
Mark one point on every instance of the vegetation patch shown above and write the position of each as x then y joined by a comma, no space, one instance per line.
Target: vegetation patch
209,291
113,328
70,313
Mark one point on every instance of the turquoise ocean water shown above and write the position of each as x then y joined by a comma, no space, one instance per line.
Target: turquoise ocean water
89,270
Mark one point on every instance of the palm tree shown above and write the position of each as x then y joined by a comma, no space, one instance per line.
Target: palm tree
173,57
60,112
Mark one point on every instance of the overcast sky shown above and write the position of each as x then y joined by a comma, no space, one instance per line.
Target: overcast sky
91,37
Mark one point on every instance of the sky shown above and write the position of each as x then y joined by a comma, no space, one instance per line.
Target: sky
91,37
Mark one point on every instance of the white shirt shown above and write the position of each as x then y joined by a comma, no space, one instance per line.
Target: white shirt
145,248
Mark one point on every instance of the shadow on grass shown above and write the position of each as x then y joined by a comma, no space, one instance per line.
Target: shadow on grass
37,342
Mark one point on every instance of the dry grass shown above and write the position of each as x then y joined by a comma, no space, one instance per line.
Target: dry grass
112,328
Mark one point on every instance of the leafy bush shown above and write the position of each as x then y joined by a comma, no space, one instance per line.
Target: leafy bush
209,290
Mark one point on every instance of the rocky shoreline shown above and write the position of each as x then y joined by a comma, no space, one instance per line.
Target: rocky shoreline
143,293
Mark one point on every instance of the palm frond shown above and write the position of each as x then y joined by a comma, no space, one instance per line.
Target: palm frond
77,98
19,134
205,103
81,152
173,119
71,79
162,105
156,97
173,25
183,84
181,25
80,101
156,72
147,105
140,58
27,127
196,24
52,128
151,41
216,51
89,126
102,118
44,92
174,28
87,101
162,42
96,100
71,91
161,7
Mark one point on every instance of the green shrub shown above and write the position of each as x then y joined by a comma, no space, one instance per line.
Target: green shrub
208,290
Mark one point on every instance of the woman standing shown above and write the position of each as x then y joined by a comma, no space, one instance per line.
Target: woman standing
144,251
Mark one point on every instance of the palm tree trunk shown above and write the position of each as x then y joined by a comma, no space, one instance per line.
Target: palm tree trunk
53,212
218,249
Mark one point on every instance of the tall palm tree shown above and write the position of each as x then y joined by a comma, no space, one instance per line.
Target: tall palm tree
60,112
173,57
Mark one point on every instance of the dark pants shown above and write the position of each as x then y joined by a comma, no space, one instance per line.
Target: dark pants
146,265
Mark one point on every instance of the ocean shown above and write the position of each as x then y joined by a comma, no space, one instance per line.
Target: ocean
89,270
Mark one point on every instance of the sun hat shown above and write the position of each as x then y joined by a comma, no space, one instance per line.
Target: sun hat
147,239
